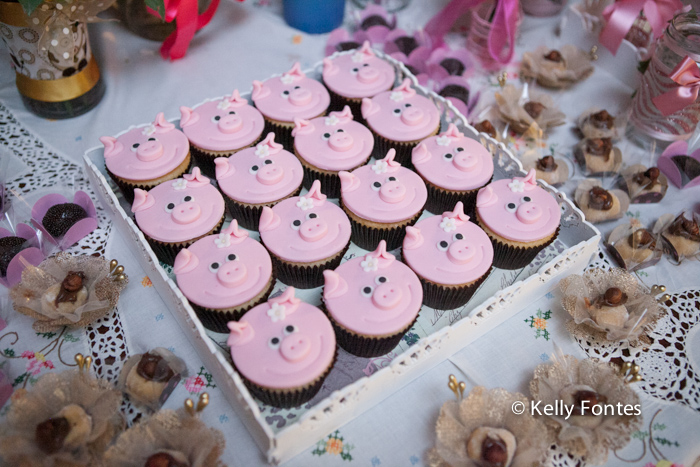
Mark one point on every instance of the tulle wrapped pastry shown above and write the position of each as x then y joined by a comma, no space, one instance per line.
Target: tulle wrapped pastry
599,204
633,247
521,108
598,156
150,377
595,123
680,235
556,68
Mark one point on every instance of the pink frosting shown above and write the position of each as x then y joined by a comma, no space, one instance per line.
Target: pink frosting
448,249
453,161
401,114
358,74
222,125
223,271
283,343
305,228
373,294
517,209
146,152
336,142
290,95
261,174
179,210
383,191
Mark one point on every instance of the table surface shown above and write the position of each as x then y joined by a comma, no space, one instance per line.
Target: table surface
251,41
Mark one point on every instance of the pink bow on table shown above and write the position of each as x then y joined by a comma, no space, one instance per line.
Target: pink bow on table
621,15
502,32
687,76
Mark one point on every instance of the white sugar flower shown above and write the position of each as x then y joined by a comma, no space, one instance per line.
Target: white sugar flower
277,312
370,264
287,79
380,166
148,130
223,241
305,203
358,57
332,120
396,96
443,140
223,105
517,186
262,150
180,184
448,224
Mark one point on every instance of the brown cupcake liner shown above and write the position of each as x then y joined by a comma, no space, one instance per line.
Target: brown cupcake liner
440,200
338,102
292,397
368,238
217,320
127,188
304,277
166,252
330,182
439,297
248,216
205,160
404,150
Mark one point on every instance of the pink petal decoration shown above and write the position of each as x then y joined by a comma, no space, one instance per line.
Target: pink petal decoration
29,256
667,165
79,230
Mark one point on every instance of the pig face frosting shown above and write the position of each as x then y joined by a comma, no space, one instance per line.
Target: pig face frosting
448,249
146,152
453,161
373,294
517,209
290,95
260,174
335,142
223,271
179,210
305,228
358,74
401,114
222,125
283,343
383,191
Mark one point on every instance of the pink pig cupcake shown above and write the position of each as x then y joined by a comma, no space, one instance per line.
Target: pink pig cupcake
353,76
454,168
381,199
283,350
257,177
177,213
520,218
327,145
292,95
146,156
305,236
372,301
223,276
220,128
451,257
400,119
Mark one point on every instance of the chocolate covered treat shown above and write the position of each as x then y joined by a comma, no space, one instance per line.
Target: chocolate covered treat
599,204
597,155
69,428
609,310
167,459
597,124
9,247
145,377
645,185
61,217
581,398
492,447
485,126
68,295
682,237
554,56
534,109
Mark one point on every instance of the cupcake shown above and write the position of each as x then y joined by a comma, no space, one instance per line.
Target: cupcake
292,95
258,177
220,128
400,119
223,276
598,155
372,301
327,145
520,218
599,204
177,213
305,236
283,349
454,168
353,76
451,257
381,200
146,156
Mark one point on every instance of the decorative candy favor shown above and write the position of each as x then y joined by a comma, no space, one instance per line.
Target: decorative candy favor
553,170
149,378
457,91
599,204
644,185
598,156
680,165
64,223
521,108
372,24
188,21
633,246
554,68
598,124
18,250
680,235
67,290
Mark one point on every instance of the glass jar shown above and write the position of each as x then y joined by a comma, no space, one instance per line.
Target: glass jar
479,30
62,82
681,39
138,20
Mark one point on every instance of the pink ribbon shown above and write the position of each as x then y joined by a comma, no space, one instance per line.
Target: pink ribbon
187,21
687,76
502,31
621,15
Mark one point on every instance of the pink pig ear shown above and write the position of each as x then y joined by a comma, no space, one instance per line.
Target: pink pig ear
405,89
344,115
196,179
272,146
235,100
302,127
366,50
185,261
385,258
223,168
287,300
315,193
453,132
112,146
486,197
457,213
242,332
235,234
142,200
369,107
295,72
413,239
329,68
268,220
389,159
420,154
530,179
161,124
334,285
188,117
260,91
348,182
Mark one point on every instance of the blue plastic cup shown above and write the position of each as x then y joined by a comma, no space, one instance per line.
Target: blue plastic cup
314,16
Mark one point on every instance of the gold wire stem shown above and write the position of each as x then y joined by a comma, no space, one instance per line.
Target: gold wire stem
630,372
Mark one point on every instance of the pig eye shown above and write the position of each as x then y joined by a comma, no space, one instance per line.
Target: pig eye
367,291
447,156
290,329
151,139
296,224
525,199
457,236
285,94
460,149
442,245
311,215
407,105
268,162
233,112
274,343
339,130
511,207
391,179
366,64
355,70
326,136
213,267
397,112
170,207
215,118
297,87
380,280
135,146
187,199
231,257
376,186
254,169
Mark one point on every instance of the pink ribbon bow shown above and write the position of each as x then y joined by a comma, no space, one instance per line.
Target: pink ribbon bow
621,15
687,76
502,32
187,21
